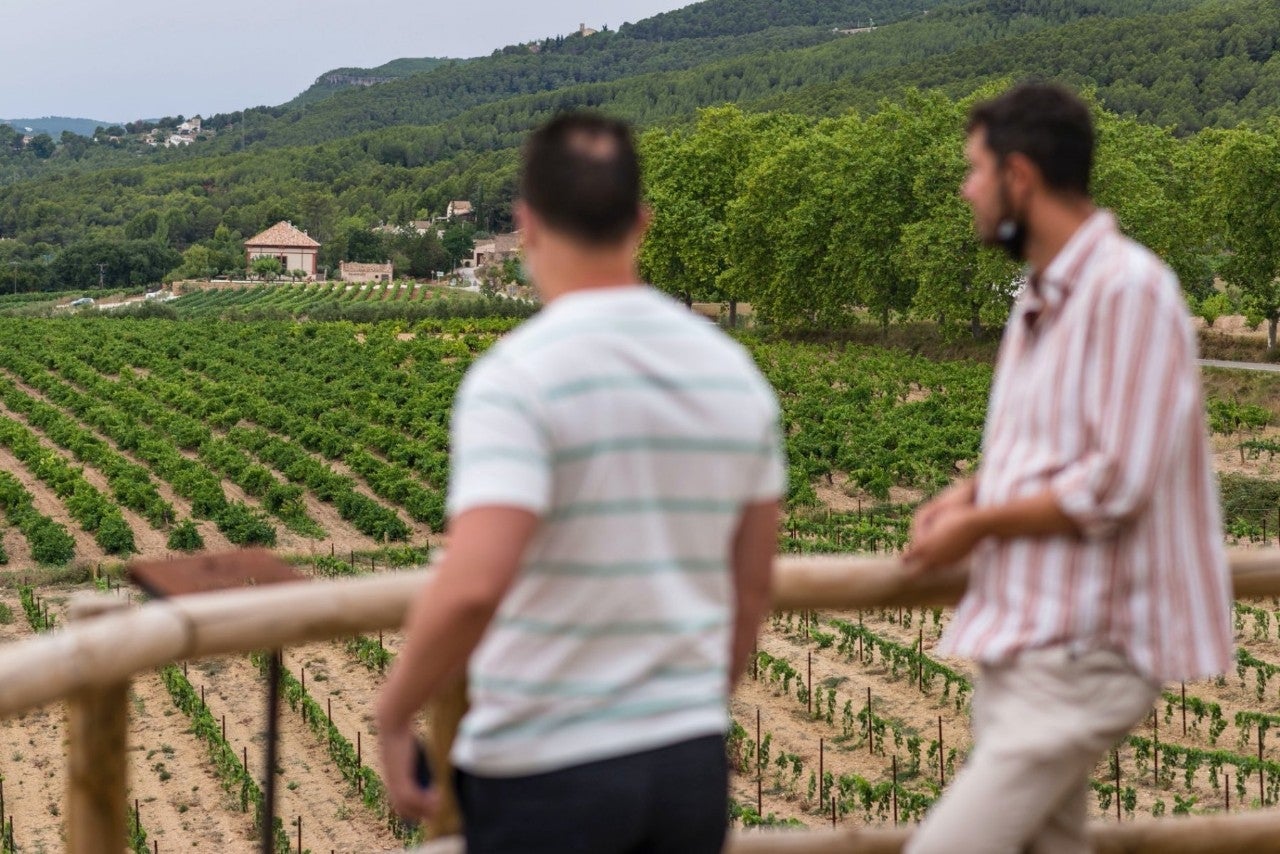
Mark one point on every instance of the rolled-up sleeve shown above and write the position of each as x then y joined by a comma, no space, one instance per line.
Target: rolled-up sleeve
1140,387
500,442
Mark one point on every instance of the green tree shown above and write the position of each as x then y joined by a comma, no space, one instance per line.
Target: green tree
691,180
777,234
42,146
266,268
459,242
960,285
1244,197
197,262
362,244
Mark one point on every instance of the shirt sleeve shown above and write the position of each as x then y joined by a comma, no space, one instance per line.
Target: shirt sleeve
500,442
1140,392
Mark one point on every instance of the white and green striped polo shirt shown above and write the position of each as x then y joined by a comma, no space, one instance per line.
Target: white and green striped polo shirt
637,432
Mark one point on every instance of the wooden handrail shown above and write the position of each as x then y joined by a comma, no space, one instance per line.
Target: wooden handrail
113,647
1244,833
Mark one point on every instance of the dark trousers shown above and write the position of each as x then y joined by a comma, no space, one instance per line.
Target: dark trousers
672,799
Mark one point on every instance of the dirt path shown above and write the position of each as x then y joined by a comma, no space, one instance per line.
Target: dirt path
311,787
31,757
181,801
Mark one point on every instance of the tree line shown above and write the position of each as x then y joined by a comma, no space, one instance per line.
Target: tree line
827,223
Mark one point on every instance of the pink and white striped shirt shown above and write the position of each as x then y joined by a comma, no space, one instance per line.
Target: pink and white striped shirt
1097,397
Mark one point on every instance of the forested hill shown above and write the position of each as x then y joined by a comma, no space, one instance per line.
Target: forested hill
760,33
1216,65
340,79
439,95
737,17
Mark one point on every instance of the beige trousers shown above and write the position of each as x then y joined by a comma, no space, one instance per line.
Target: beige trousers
1040,725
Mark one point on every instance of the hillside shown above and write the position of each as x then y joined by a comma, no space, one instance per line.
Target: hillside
778,47
1177,63
340,79
55,125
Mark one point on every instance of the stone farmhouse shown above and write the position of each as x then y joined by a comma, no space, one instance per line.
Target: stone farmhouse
495,250
351,271
295,249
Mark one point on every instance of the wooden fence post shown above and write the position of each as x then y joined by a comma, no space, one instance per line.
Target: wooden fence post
97,734
1115,756
942,762
822,758
445,712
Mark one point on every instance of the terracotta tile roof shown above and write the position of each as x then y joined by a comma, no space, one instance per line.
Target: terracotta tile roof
283,234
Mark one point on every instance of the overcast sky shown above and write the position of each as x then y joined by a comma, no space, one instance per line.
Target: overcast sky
119,60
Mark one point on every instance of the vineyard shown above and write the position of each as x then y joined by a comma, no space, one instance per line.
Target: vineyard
127,436
344,301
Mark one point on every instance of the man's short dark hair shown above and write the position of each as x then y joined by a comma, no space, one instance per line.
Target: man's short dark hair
1048,124
581,175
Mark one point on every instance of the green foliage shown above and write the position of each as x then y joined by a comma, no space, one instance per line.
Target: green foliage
1254,500
266,268
245,526
126,262
185,537
1212,307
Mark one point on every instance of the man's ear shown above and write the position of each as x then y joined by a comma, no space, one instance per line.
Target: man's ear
1021,175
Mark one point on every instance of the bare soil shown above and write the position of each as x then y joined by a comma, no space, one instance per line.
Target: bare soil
842,495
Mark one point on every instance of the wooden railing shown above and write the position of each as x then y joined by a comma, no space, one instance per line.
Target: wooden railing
89,663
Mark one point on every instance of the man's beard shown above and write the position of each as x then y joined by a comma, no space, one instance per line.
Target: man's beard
1011,230
1011,236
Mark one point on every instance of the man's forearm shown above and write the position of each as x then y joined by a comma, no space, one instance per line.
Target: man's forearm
448,618
754,546
1038,515
746,631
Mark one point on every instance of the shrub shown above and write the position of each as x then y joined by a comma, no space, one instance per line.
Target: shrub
185,537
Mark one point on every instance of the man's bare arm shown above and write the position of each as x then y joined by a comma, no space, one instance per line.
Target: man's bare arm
754,546
444,625
957,529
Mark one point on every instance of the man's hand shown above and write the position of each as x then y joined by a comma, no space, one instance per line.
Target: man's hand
955,496
946,529
398,752
951,533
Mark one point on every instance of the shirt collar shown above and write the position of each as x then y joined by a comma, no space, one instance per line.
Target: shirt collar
1049,288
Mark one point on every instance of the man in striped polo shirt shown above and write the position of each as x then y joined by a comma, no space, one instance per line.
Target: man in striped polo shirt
616,471
1098,568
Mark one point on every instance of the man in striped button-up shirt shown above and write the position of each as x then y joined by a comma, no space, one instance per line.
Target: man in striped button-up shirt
1097,562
